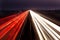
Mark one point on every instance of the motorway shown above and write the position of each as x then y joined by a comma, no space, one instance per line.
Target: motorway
28,25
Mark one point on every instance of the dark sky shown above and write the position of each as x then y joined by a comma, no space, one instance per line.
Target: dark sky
29,4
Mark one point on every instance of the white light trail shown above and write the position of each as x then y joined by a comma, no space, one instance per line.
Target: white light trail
39,34
45,23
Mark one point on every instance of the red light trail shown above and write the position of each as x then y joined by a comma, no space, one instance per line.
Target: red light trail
3,20
11,28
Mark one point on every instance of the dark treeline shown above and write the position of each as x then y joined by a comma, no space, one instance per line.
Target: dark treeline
4,13
51,13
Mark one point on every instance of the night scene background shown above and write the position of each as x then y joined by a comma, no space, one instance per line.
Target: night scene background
50,8
21,5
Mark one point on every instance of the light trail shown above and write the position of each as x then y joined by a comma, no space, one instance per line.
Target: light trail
9,27
26,14
44,24
7,23
11,30
39,34
8,17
